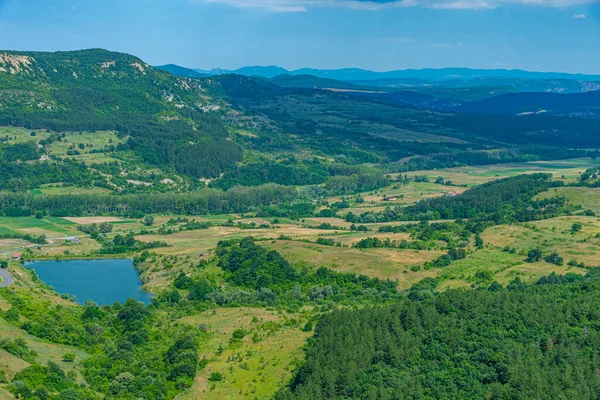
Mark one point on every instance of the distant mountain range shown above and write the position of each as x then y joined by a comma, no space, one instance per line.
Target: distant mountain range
426,74
462,84
182,71
469,91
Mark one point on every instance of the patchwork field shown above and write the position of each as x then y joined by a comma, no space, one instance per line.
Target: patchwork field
49,226
475,175
259,363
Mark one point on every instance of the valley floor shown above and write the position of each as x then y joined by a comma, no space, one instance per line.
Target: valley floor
263,360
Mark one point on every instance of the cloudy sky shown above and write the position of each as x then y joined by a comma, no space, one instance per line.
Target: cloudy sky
548,35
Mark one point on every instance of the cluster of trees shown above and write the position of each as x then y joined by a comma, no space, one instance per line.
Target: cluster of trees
461,158
48,382
209,201
376,243
289,172
590,178
534,255
19,177
500,201
130,355
338,178
487,198
460,345
96,229
250,266
18,347
20,152
344,184
123,244
41,239
446,259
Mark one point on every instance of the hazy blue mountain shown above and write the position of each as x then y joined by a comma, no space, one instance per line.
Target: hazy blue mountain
182,71
518,85
426,74
266,72
212,72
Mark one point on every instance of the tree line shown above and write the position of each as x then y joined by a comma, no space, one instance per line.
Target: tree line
524,341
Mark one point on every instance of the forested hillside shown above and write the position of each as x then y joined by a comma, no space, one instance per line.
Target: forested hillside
162,115
521,342
178,133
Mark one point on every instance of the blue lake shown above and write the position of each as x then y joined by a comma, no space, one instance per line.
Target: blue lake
103,281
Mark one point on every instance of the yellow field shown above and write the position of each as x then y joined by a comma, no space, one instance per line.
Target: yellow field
92,220
380,263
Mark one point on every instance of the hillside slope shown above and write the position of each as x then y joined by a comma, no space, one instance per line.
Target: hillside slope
168,119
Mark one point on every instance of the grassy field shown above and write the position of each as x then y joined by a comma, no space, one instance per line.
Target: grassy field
381,263
552,235
253,367
476,175
587,198
407,194
89,140
49,226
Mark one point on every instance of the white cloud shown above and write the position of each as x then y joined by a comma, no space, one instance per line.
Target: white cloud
579,16
373,5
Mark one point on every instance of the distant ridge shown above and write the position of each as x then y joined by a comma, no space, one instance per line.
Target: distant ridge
182,71
427,74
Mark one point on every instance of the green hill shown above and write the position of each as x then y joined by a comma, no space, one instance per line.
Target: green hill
165,118
109,120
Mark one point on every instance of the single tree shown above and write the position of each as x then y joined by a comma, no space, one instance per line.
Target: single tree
534,255
148,220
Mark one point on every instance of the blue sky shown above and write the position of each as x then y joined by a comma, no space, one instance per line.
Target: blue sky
555,35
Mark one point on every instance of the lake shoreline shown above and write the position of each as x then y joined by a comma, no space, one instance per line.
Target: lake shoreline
102,280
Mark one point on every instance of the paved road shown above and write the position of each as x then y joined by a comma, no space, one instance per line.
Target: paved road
6,279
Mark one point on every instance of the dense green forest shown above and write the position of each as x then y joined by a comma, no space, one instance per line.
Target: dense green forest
524,341
210,201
